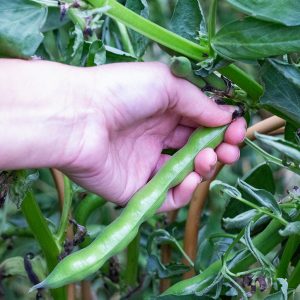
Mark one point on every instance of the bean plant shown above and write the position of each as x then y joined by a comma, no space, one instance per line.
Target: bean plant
244,242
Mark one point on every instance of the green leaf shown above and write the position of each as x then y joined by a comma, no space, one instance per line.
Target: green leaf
283,293
291,133
251,39
225,188
160,236
186,19
253,177
114,55
54,20
254,251
139,42
286,148
291,228
96,55
282,90
155,266
263,197
20,24
286,12
239,221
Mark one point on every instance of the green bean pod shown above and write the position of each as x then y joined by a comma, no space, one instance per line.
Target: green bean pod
142,206
181,67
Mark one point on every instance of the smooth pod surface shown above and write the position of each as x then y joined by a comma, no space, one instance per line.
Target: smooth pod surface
142,206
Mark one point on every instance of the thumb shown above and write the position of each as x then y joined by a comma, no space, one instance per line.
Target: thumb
191,103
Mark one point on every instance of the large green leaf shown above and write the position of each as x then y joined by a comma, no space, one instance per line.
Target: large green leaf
253,177
54,19
286,12
251,39
186,19
282,89
291,133
263,197
20,24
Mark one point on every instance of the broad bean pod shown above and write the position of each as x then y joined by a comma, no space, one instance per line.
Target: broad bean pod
142,206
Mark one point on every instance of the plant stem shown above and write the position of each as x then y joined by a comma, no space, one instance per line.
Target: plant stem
289,250
184,254
264,242
262,210
43,235
177,43
269,157
243,80
64,220
131,271
212,23
87,206
125,39
151,30
294,279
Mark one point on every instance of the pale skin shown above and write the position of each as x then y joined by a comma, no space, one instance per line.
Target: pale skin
105,127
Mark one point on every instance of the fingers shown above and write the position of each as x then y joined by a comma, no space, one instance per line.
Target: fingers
205,163
181,194
191,103
234,135
228,154
236,132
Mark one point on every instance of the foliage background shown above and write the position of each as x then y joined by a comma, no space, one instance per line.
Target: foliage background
29,28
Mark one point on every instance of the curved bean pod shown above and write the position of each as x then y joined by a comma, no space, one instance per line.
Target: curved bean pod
142,206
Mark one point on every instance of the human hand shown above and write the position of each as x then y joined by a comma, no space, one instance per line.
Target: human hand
128,114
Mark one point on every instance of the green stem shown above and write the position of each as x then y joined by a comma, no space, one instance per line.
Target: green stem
264,242
183,253
235,241
151,30
83,211
243,80
126,42
269,157
262,210
131,271
64,219
212,23
87,206
222,235
294,280
76,19
43,235
176,43
289,250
